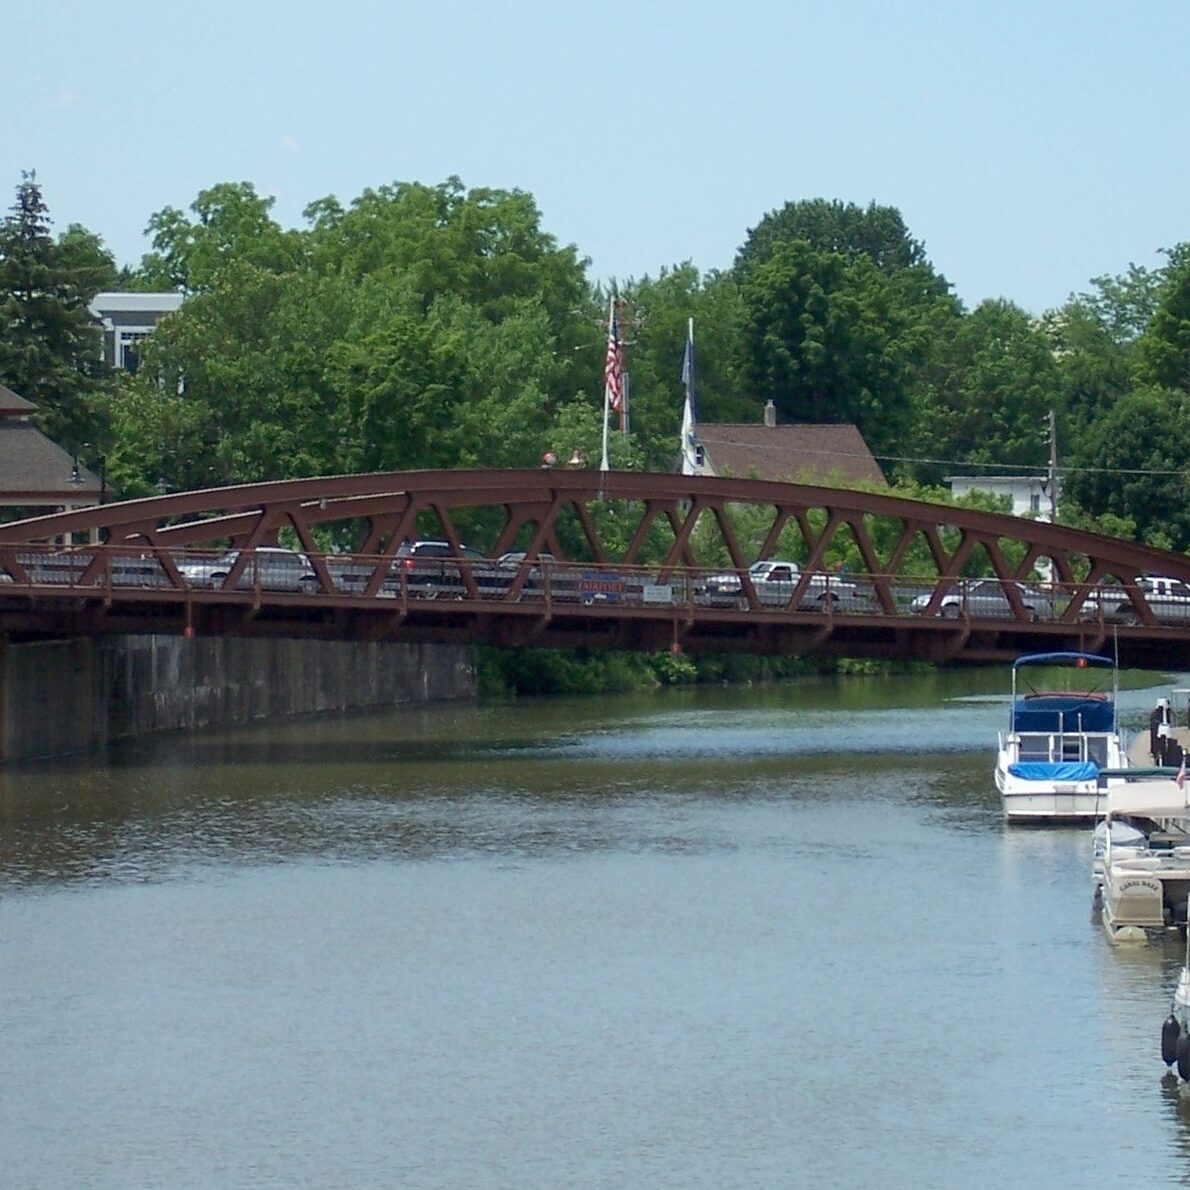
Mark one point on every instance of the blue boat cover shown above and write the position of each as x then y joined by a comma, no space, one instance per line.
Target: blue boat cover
1055,770
1062,712
1055,658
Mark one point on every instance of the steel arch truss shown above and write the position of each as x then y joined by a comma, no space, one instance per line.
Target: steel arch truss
675,526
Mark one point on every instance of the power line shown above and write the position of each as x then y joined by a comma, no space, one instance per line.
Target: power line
973,468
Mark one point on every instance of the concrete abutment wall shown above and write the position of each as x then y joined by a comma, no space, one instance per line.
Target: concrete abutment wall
78,695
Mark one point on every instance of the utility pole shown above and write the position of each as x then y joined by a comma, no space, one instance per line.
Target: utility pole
1053,476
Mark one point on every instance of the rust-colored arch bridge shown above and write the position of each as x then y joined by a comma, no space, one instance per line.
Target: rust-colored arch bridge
615,560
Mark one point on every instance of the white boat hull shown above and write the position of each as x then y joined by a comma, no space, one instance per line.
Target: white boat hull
1052,806
1065,801
1050,762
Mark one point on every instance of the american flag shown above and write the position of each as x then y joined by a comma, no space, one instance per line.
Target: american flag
612,380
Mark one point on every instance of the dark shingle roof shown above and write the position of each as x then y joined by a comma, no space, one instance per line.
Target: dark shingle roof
793,453
12,405
34,469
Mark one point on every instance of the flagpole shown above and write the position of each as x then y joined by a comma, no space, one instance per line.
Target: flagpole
611,314
687,457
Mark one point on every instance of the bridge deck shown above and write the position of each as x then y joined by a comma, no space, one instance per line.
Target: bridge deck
166,567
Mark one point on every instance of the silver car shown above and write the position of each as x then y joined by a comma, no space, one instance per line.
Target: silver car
273,568
985,598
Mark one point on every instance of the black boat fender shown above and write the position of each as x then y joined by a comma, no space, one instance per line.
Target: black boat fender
1184,1057
1170,1032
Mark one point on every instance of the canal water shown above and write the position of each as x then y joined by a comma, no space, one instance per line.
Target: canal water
721,938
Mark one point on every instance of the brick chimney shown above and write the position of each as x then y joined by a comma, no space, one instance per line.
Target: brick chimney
770,414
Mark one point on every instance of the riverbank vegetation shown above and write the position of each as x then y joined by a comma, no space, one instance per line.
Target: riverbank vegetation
442,326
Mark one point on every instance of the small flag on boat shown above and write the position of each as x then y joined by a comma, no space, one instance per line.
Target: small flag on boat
1180,779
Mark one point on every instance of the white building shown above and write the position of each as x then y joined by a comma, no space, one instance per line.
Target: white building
127,319
1030,494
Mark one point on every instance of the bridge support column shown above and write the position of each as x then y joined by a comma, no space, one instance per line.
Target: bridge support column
50,702
77,695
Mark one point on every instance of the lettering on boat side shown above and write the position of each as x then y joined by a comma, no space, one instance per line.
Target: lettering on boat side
1140,884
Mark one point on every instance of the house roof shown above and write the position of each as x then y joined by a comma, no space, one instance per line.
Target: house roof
988,480
13,406
804,453
35,470
149,303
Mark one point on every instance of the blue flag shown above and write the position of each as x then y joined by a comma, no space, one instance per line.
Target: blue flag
688,376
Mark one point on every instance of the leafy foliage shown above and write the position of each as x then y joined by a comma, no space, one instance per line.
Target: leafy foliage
875,232
435,325
825,340
998,383
1163,351
1133,466
49,343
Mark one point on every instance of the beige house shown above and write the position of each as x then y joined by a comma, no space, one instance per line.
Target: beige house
832,455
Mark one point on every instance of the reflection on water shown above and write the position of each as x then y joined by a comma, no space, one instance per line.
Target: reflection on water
714,937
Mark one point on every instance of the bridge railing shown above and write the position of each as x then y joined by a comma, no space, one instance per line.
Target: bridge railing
267,572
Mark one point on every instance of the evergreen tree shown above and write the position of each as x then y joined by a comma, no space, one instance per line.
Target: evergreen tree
50,346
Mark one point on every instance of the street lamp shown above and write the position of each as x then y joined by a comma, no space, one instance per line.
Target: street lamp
76,476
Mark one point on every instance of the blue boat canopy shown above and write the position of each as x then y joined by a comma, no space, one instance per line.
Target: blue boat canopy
1055,770
1063,713
1055,658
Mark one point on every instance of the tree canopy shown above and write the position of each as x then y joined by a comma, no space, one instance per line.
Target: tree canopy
436,325
49,343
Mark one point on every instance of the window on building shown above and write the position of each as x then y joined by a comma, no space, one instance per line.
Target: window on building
128,349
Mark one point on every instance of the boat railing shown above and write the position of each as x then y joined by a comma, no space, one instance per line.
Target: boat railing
1055,746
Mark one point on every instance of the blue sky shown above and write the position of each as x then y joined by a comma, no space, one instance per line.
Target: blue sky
1031,146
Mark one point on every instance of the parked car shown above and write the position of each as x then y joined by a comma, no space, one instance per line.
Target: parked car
985,598
542,570
273,568
432,569
582,582
1168,600
67,567
775,582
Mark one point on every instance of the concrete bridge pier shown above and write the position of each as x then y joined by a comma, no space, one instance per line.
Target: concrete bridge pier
82,693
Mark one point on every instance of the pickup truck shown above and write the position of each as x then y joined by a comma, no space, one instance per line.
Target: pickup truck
775,582
1168,600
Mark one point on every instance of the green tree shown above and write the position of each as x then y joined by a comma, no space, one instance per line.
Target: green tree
998,382
877,232
1132,467
49,343
416,327
1094,364
659,310
92,265
1124,306
1163,351
827,340
252,352
232,226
